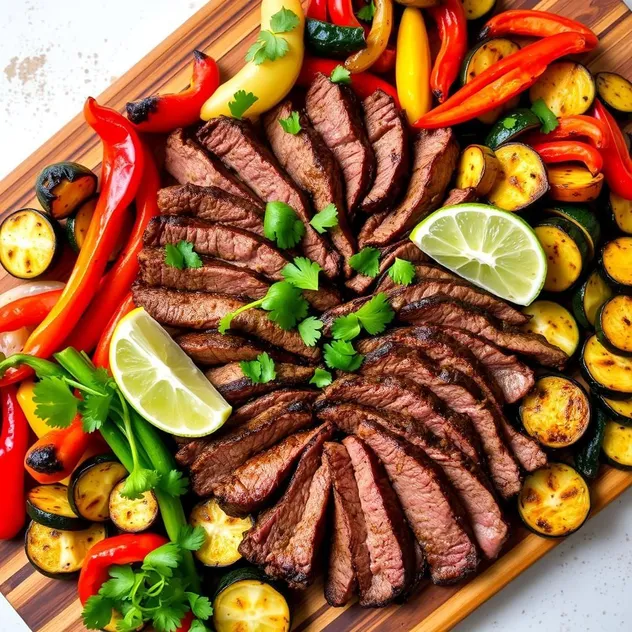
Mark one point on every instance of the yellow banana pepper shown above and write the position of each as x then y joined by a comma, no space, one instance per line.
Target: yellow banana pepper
413,65
269,81
25,399
377,41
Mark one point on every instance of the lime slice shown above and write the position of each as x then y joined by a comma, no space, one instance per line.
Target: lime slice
493,249
161,382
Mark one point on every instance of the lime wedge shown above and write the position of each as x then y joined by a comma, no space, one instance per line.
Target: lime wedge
161,382
493,249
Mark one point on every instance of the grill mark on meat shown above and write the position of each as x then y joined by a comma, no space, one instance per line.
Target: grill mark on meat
423,271
236,145
460,196
187,162
334,112
370,226
197,310
435,154
212,204
388,136
388,539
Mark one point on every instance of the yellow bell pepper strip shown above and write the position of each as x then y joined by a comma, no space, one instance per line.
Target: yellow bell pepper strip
413,64
269,81
25,399
377,40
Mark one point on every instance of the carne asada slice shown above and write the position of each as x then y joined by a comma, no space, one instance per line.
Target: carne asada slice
335,114
388,538
253,484
187,162
349,561
236,388
440,310
212,204
312,166
198,310
434,515
235,143
460,196
261,404
369,227
388,136
423,271
435,155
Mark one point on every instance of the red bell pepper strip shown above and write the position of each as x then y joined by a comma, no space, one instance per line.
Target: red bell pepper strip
341,13
101,357
570,151
117,282
532,23
452,24
166,112
13,445
573,127
617,167
385,62
317,10
122,169
364,84
28,311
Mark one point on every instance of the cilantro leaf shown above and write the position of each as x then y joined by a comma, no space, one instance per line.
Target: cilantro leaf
310,330
321,378
163,559
121,583
56,404
243,101
173,257
509,122
182,256
200,606
191,538
366,262
284,21
268,47
340,75
97,612
341,354
225,322
285,304
346,327
169,617
367,12
282,225
252,370
94,410
402,272
376,314
302,273
198,626
139,481
327,218
547,118
132,620
259,371
291,124
268,372
173,483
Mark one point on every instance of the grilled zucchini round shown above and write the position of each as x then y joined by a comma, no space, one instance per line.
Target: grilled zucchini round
478,9
616,263
617,445
48,505
621,210
63,187
608,374
555,323
566,87
615,91
512,125
587,300
132,515
589,449
613,325
574,183
618,410
583,218
478,168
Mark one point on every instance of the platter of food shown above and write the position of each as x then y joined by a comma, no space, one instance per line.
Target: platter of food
319,318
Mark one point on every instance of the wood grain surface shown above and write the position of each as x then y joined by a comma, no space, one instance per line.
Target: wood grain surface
224,29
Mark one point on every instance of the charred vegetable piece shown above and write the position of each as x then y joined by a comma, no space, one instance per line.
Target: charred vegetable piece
613,325
556,412
615,91
477,9
566,87
607,373
574,183
512,125
616,263
29,243
618,410
478,168
583,218
48,505
621,213
554,501
566,251
132,515
617,445
329,40
587,300
555,323
63,187
521,180
589,449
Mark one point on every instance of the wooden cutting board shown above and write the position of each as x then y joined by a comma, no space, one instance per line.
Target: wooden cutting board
224,29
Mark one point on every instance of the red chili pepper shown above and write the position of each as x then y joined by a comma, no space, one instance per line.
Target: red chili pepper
166,112
102,352
386,61
13,445
122,169
452,24
28,311
117,282
617,167
570,151
185,624
572,127
363,83
317,10
534,24
341,13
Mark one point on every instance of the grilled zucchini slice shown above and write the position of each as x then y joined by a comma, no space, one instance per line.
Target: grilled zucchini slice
478,9
587,300
223,533
613,325
589,449
616,263
30,243
60,554
621,213
478,168
566,87
617,445
521,180
63,187
566,251
583,218
554,501
608,374
555,323
574,183
615,91
512,125
48,505
618,410
132,515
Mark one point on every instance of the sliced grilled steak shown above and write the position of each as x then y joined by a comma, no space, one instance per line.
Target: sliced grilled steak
435,154
237,146
257,406
445,311
335,114
253,484
369,227
314,169
389,138
236,388
423,271
349,561
212,204
460,196
434,515
187,162
197,310
469,481
388,538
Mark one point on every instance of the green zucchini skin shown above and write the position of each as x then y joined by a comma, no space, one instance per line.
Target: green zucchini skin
587,455
625,435
594,384
620,212
520,121
330,40
580,296
242,574
611,95
583,218
614,414
600,328
478,11
56,174
624,287
49,518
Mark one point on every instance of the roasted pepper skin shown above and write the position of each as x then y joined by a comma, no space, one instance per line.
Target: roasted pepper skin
573,128
570,151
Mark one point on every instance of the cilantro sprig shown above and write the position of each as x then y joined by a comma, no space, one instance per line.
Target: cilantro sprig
327,218
282,225
291,124
367,12
259,371
241,103
302,273
321,378
182,255
340,75
547,118
402,272
373,317
366,262
269,46
341,354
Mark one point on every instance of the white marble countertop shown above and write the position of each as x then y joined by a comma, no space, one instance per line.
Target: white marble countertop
51,60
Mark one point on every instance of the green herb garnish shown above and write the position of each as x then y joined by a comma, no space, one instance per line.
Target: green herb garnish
402,272
259,371
547,118
269,46
340,75
242,102
327,218
302,273
366,262
291,124
310,330
182,256
282,225
321,378
341,354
